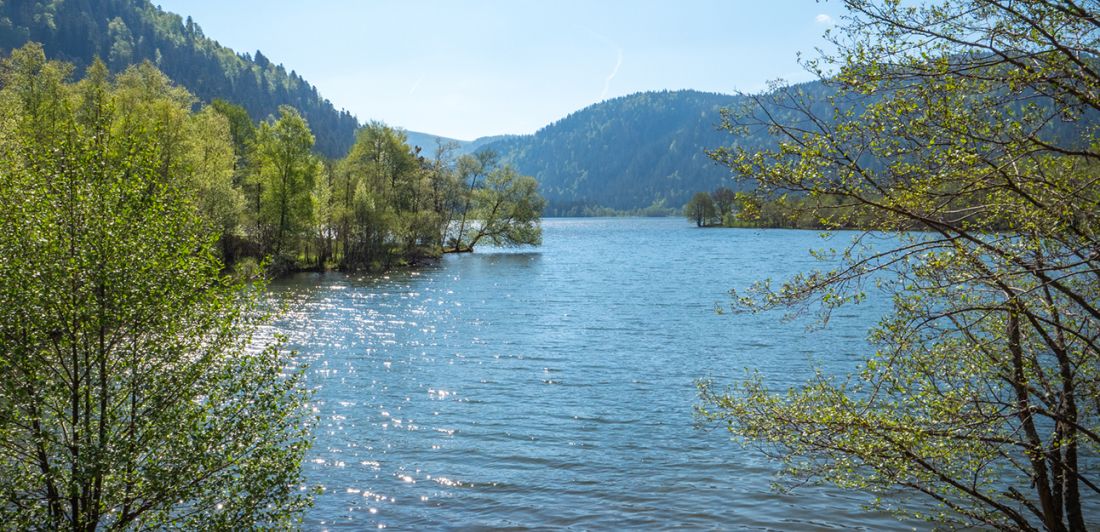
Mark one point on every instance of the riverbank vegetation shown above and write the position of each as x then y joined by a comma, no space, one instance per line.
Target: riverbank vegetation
983,396
725,208
383,205
270,199
132,395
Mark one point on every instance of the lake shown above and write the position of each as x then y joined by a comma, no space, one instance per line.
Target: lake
554,386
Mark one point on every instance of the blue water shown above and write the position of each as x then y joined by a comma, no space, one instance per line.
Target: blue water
554,387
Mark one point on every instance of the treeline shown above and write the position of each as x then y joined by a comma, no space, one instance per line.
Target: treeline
723,207
650,150
383,205
267,197
128,32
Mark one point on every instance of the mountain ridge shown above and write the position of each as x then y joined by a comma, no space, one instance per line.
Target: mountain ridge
127,32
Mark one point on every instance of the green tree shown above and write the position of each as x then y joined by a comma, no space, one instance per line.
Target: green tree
725,200
378,191
470,168
507,211
445,189
321,229
241,129
984,394
208,163
131,395
284,175
701,210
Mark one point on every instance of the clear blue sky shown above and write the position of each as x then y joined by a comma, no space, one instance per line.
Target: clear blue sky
474,68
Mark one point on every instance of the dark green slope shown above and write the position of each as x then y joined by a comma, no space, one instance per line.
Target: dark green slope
650,149
627,153
125,32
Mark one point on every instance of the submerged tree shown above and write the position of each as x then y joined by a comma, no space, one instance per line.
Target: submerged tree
984,395
131,396
702,210
505,207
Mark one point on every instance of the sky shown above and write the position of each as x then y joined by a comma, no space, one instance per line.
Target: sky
488,67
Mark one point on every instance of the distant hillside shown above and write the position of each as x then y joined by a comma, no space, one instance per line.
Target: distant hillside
428,142
627,153
649,149
125,32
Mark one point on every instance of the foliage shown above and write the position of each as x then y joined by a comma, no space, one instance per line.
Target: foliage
284,176
131,393
785,211
507,208
391,205
702,210
984,395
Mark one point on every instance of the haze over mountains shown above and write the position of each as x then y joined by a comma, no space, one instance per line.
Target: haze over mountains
645,150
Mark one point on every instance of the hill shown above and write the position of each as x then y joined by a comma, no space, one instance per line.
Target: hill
632,152
428,142
125,32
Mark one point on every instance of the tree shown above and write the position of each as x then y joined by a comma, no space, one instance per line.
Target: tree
507,209
984,394
209,162
284,176
131,395
725,200
378,192
470,168
445,188
701,210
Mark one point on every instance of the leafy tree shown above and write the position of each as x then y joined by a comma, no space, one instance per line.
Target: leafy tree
321,228
507,209
984,394
470,168
285,175
725,200
701,210
378,192
241,129
209,162
131,395
445,188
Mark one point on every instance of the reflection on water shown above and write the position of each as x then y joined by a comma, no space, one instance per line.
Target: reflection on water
555,387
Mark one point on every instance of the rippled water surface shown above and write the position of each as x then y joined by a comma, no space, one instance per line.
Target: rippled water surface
554,387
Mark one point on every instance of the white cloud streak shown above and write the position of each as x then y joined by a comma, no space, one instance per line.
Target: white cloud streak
824,19
618,59
614,72
416,85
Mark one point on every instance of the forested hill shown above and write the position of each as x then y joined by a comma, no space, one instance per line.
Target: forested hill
628,153
125,32
429,142
647,152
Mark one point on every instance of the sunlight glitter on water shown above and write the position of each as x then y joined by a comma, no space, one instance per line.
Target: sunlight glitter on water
558,385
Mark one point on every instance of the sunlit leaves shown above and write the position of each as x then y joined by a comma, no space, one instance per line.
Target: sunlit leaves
131,393
982,396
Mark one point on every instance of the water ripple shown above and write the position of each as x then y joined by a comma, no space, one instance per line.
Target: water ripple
555,388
